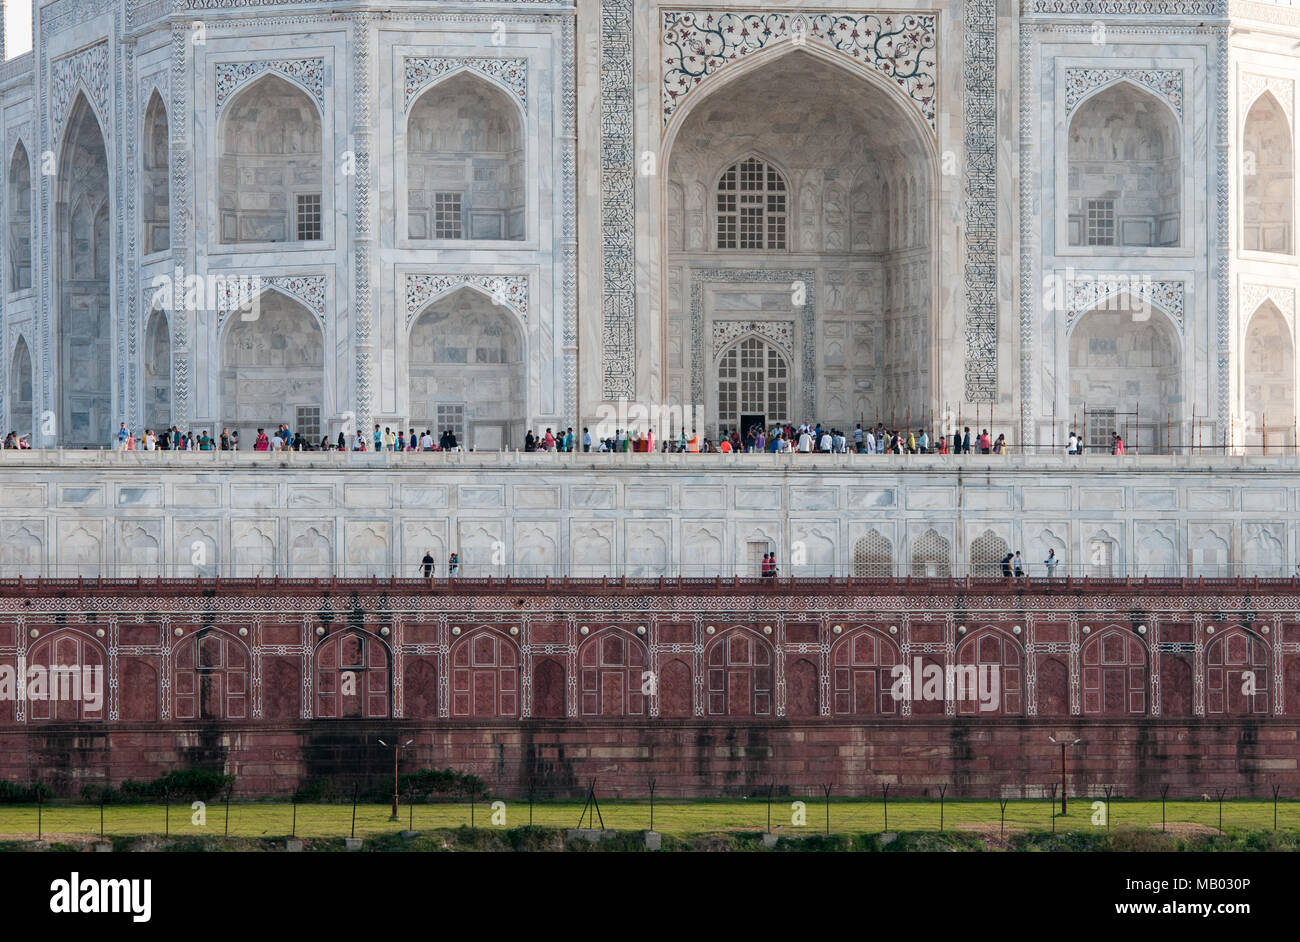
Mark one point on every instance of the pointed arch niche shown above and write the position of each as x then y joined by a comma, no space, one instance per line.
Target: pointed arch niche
272,182
467,370
465,162
1267,181
1125,170
155,199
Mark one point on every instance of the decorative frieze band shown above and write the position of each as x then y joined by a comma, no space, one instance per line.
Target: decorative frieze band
1129,7
309,73
1167,83
422,71
980,82
697,44
506,290
88,70
617,203
1253,295
1282,89
780,333
1088,294
240,291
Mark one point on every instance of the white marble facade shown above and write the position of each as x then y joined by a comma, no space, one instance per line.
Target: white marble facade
85,514
506,214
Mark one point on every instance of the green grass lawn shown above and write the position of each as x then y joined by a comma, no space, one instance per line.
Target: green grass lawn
678,818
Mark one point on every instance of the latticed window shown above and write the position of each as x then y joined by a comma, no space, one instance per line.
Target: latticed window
932,556
451,417
751,206
447,216
307,422
309,224
987,553
873,557
1101,430
753,379
1101,222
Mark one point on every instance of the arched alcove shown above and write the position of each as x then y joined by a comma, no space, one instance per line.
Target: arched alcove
157,372
465,166
83,254
272,368
1125,373
467,371
1269,375
19,209
20,390
1125,171
155,205
1267,184
753,379
271,186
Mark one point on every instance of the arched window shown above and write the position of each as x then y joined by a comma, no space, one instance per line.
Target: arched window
1114,674
75,685
611,666
753,379
739,675
751,206
989,676
1124,173
1236,675
986,554
484,677
155,209
211,678
271,186
931,556
873,557
20,220
352,677
863,675
1267,186
465,163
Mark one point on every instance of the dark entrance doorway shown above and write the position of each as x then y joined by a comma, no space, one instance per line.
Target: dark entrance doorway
756,422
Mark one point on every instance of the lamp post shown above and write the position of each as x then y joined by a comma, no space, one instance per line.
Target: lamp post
1062,744
397,747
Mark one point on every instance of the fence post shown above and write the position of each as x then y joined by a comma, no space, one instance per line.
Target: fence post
942,790
1275,790
1164,790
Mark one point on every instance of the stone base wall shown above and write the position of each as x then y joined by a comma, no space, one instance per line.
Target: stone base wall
974,759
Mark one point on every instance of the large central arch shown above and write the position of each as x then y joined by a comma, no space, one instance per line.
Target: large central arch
798,193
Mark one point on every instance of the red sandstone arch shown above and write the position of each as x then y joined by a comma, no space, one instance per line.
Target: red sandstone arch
990,651
353,677
739,674
484,676
862,673
210,677
67,648
1237,674
1114,681
610,667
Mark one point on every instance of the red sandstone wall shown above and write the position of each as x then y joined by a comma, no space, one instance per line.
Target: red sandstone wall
710,687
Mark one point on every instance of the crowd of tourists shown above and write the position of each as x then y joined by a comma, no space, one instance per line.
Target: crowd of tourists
805,438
